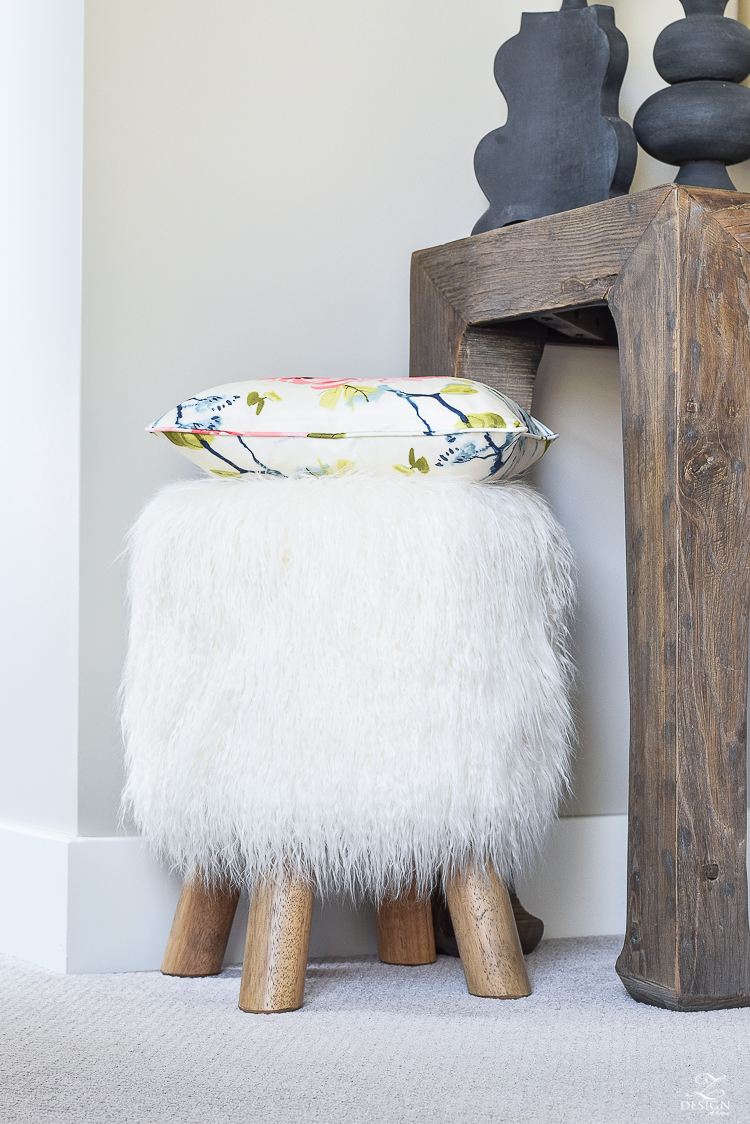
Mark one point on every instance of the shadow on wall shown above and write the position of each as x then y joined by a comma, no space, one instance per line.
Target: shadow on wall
578,395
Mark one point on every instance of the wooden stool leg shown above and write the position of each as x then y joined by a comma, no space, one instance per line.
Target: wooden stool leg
200,930
278,937
405,933
487,936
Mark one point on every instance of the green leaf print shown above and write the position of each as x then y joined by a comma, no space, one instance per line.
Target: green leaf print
483,421
419,464
458,388
218,472
259,400
331,398
188,440
332,436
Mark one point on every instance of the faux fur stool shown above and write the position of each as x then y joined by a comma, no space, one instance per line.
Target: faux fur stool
351,683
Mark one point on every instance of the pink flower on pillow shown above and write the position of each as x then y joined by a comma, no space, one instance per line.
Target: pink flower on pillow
321,384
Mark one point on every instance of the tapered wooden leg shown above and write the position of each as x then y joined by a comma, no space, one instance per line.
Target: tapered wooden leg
405,933
530,928
487,935
200,930
278,937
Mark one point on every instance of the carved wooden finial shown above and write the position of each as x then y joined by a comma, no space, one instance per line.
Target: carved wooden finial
702,120
564,144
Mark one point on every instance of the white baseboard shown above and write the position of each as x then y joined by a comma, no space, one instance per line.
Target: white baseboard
34,893
78,905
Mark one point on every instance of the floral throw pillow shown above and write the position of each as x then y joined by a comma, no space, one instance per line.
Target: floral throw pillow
452,428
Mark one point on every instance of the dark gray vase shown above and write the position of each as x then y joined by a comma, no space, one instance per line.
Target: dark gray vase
701,121
564,144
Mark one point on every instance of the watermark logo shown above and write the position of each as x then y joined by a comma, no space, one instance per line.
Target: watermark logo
708,1097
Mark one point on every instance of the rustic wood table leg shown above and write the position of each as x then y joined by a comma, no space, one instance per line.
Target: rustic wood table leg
487,935
278,938
405,933
506,358
682,303
200,930
672,264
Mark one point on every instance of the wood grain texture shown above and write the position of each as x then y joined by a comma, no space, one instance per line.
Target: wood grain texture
200,930
682,310
460,291
673,265
487,936
736,221
722,202
505,358
436,328
405,932
559,262
278,938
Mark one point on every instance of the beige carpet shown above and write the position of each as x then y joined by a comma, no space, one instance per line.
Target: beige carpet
372,1043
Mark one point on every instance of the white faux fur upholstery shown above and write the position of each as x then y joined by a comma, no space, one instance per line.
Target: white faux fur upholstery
363,679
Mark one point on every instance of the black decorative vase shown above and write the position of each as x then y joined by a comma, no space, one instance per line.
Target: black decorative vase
564,144
702,120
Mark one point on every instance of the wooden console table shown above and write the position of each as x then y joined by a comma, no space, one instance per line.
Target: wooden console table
672,265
